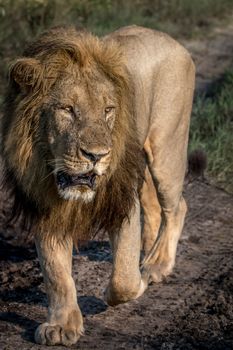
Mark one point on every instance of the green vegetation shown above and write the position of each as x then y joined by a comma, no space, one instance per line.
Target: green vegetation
22,20
181,17
212,130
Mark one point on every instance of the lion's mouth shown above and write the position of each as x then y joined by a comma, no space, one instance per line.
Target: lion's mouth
65,180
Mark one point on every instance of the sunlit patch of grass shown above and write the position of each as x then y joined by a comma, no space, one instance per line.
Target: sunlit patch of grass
212,130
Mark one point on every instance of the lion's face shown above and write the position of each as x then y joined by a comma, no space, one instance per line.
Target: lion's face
78,119
69,132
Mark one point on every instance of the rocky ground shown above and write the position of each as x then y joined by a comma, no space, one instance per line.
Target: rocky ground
192,309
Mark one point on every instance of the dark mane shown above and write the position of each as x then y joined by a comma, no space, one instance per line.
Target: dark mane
43,61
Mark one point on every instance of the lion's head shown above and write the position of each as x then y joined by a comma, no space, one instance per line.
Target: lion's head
77,124
69,138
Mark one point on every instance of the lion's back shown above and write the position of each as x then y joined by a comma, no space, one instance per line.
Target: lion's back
151,58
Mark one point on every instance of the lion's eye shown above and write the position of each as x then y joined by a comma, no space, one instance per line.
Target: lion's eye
68,109
109,109
110,116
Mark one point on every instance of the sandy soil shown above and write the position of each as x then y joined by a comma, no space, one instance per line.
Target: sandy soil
192,309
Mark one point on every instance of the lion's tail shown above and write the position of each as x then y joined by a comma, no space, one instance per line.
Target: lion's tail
197,164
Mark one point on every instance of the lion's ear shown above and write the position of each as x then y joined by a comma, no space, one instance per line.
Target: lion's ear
26,72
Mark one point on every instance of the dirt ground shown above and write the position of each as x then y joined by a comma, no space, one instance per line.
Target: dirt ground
212,55
191,309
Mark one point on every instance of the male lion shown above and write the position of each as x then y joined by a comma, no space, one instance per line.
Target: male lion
80,115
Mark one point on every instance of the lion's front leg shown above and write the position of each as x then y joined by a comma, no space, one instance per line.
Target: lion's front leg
125,282
64,322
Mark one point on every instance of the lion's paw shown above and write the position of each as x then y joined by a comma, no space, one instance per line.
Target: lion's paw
157,272
47,334
114,296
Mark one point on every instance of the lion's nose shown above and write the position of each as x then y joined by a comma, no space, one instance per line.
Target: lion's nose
94,157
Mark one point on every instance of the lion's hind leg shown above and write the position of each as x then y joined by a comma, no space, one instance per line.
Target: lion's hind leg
160,260
160,254
151,212
166,149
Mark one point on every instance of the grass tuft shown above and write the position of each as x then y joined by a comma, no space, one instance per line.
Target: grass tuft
212,130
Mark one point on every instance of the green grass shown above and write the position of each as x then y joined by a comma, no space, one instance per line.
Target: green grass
181,17
212,130
23,20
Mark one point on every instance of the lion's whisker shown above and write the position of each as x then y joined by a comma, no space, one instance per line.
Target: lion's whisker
54,171
45,177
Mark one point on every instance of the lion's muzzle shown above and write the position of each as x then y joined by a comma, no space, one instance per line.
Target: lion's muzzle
65,180
94,157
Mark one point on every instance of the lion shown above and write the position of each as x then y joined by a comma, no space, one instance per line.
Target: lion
93,129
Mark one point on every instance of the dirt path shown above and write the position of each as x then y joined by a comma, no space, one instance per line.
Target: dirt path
192,309
212,56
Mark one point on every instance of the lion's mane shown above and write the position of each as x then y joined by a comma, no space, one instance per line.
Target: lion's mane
24,152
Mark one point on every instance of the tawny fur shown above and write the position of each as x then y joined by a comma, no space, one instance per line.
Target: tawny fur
149,78
25,152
